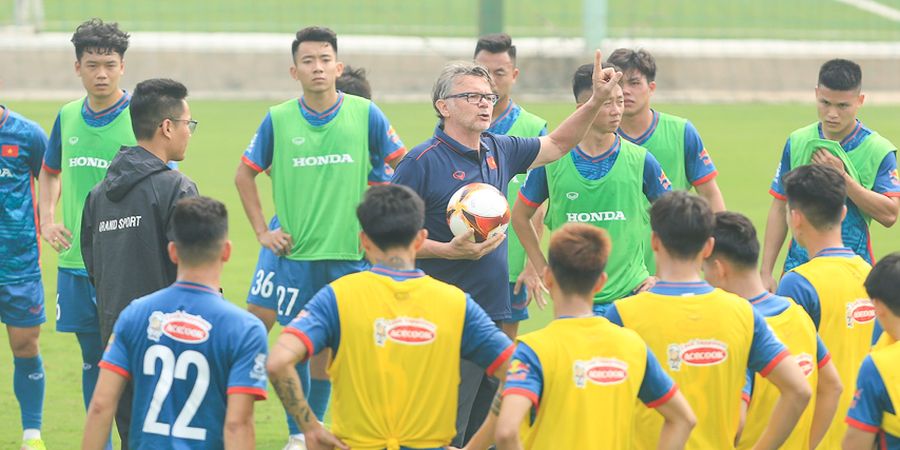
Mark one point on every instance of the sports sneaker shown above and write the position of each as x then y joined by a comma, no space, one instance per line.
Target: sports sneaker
33,444
295,444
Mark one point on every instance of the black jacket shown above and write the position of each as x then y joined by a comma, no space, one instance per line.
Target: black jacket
125,229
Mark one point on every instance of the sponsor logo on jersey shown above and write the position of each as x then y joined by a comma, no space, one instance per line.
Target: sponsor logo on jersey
598,216
600,371
860,311
806,363
697,353
895,179
9,151
404,330
258,372
299,140
73,140
6,173
179,325
572,195
664,181
459,175
492,164
88,161
323,160
704,157
121,223
518,371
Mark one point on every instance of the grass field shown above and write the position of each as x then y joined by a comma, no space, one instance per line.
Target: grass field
744,140
770,19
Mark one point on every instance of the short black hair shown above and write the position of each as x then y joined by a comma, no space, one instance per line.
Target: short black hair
99,37
353,81
819,192
736,239
840,75
640,60
496,43
314,34
391,215
200,225
583,79
153,101
683,222
883,282
577,256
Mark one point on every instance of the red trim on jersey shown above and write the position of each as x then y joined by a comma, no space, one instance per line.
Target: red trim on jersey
251,164
310,350
861,426
399,153
825,361
891,194
665,398
777,195
114,368
528,202
378,183
501,359
745,397
259,393
524,393
425,151
50,169
706,179
774,362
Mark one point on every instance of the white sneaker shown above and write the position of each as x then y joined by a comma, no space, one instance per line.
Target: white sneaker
295,443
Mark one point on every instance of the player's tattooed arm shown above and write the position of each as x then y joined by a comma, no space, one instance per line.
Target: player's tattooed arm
288,389
485,435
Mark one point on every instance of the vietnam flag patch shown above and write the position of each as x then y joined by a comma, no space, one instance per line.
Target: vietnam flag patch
9,151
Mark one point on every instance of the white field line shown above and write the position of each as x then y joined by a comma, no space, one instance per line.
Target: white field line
875,8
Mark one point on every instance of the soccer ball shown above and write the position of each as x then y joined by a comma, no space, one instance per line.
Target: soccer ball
479,207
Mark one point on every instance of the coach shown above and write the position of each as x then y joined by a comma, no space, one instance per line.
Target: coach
126,225
459,153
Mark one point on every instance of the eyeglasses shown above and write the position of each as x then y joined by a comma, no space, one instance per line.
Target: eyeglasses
191,123
476,97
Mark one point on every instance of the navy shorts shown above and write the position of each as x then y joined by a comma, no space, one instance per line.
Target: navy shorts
518,304
22,304
76,303
285,285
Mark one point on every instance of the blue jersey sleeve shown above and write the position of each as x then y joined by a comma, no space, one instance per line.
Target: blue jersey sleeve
409,175
871,399
776,189
793,285
385,145
53,155
248,374
259,153
318,324
822,355
543,131
518,152
535,190
482,342
656,183
876,332
37,149
657,387
747,391
612,315
766,351
886,180
115,357
525,376
698,165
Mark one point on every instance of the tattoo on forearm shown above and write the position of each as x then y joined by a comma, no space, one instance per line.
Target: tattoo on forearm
289,392
495,405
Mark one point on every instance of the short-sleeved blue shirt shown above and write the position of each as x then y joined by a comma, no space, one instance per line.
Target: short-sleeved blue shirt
436,169
870,402
22,147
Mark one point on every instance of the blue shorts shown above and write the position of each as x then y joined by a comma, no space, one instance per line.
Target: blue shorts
76,303
22,304
518,304
601,308
286,285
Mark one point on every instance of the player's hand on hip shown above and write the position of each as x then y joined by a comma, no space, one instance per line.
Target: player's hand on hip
320,438
825,158
57,236
605,80
276,240
465,247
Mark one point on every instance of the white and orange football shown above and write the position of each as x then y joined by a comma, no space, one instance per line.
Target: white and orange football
479,207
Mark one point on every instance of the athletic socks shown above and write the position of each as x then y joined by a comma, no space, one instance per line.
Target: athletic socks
28,385
91,352
319,394
303,372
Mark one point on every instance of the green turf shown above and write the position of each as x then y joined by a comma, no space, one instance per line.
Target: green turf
771,19
744,140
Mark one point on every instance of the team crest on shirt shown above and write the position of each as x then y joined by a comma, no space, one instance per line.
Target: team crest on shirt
806,363
73,140
179,325
600,371
258,372
860,311
518,371
698,353
299,140
404,330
